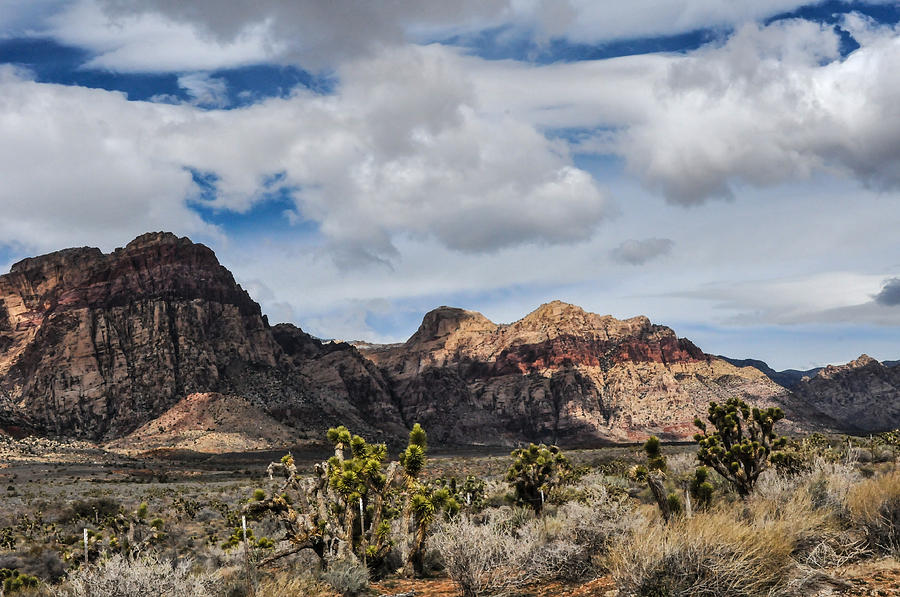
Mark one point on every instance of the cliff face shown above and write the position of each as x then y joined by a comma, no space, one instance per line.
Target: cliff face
95,345
560,374
99,345
863,395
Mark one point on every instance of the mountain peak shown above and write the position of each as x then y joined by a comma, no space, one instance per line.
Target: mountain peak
445,321
149,239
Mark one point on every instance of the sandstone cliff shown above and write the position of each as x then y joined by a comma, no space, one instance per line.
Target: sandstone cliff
95,345
560,374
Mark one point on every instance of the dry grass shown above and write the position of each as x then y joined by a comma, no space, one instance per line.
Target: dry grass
710,554
874,506
285,583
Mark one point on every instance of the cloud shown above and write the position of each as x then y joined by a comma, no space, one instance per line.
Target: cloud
161,35
772,104
207,91
369,164
889,295
639,252
81,164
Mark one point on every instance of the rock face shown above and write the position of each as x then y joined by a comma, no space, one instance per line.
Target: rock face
94,345
863,395
558,375
156,340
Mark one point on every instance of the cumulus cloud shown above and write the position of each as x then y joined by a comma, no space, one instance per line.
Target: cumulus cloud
639,252
890,293
772,104
368,164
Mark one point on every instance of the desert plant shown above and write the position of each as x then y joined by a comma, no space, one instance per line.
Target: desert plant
482,559
874,506
741,443
422,503
701,489
654,474
534,471
12,581
144,577
347,575
710,554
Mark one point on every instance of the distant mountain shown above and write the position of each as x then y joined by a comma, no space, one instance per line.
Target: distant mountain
863,395
787,378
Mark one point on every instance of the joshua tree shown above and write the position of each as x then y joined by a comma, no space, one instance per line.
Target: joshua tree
536,470
422,503
741,443
700,487
655,475
323,513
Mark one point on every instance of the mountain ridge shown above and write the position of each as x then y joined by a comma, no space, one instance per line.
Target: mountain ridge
98,346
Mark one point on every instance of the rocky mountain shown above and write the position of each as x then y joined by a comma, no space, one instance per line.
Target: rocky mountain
155,344
559,374
94,345
788,378
863,395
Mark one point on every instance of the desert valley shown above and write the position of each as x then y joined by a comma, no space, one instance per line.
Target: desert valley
148,380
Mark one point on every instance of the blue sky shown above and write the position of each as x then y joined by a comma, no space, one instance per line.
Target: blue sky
728,169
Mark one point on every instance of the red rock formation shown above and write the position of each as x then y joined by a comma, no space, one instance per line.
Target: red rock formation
560,374
95,345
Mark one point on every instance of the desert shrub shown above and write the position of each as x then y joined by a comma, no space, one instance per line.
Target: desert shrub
482,559
701,488
145,577
347,576
14,582
284,584
94,509
874,507
710,554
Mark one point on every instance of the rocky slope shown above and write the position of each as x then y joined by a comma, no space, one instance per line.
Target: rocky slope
209,422
560,374
863,395
95,345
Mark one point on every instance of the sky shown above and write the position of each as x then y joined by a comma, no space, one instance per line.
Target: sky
729,169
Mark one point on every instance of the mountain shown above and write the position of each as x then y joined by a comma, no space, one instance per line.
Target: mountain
155,344
863,395
95,345
560,374
788,378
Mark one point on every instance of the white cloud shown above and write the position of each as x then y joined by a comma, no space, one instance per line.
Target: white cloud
370,164
207,91
171,35
152,42
763,109
81,164
770,105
